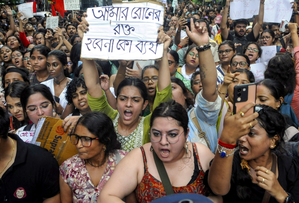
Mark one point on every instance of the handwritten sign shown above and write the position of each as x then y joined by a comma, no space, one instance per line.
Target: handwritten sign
125,31
26,9
72,4
26,136
276,10
268,53
52,22
243,9
258,70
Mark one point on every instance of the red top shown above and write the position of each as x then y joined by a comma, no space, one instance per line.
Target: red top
23,38
150,189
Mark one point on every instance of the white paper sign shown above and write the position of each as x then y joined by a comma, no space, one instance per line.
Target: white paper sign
71,4
52,22
276,10
26,136
268,53
243,9
26,10
126,31
258,70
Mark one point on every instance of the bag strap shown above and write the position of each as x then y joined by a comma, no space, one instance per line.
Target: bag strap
201,133
163,175
28,127
267,196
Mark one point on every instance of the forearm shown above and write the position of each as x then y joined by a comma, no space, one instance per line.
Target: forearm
91,78
120,76
21,26
164,74
177,37
260,21
208,75
59,45
223,26
11,27
220,174
222,92
295,38
67,44
110,98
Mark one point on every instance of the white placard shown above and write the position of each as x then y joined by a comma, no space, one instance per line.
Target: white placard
268,53
71,4
243,9
276,10
126,31
258,70
26,136
52,22
26,9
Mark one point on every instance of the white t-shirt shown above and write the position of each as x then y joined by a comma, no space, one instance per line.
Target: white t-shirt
62,99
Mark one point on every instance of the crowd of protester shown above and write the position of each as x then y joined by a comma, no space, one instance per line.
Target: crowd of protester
117,116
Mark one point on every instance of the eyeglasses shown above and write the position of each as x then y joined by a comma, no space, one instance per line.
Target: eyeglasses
226,51
85,141
266,37
153,79
69,63
17,56
171,137
241,63
170,62
252,49
33,109
26,58
192,54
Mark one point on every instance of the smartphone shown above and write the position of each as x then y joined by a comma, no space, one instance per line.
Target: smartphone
243,95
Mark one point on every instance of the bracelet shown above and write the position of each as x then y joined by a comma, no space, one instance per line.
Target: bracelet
224,152
203,47
180,46
229,146
221,92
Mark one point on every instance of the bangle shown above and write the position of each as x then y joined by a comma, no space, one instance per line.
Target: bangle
203,47
224,152
221,93
229,146
180,46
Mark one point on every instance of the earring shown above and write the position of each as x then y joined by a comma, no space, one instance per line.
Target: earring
272,147
104,148
186,146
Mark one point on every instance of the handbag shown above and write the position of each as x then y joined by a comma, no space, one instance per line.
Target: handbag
163,175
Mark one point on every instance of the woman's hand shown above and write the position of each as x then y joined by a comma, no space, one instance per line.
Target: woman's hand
235,126
293,27
165,39
229,77
268,181
199,33
294,6
48,35
58,31
70,122
19,15
59,108
134,73
104,79
83,27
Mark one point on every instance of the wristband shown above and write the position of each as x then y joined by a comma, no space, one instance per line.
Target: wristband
228,146
180,46
203,48
225,152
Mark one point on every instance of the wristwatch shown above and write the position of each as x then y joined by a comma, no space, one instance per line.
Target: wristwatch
289,199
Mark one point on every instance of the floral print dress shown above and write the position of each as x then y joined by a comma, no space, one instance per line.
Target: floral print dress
73,171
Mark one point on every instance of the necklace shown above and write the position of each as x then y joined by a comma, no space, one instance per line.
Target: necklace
58,82
13,149
93,165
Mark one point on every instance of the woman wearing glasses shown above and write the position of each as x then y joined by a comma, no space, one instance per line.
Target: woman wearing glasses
83,176
17,59
253,51
226,50
184,162
191,61
239,61
268,39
